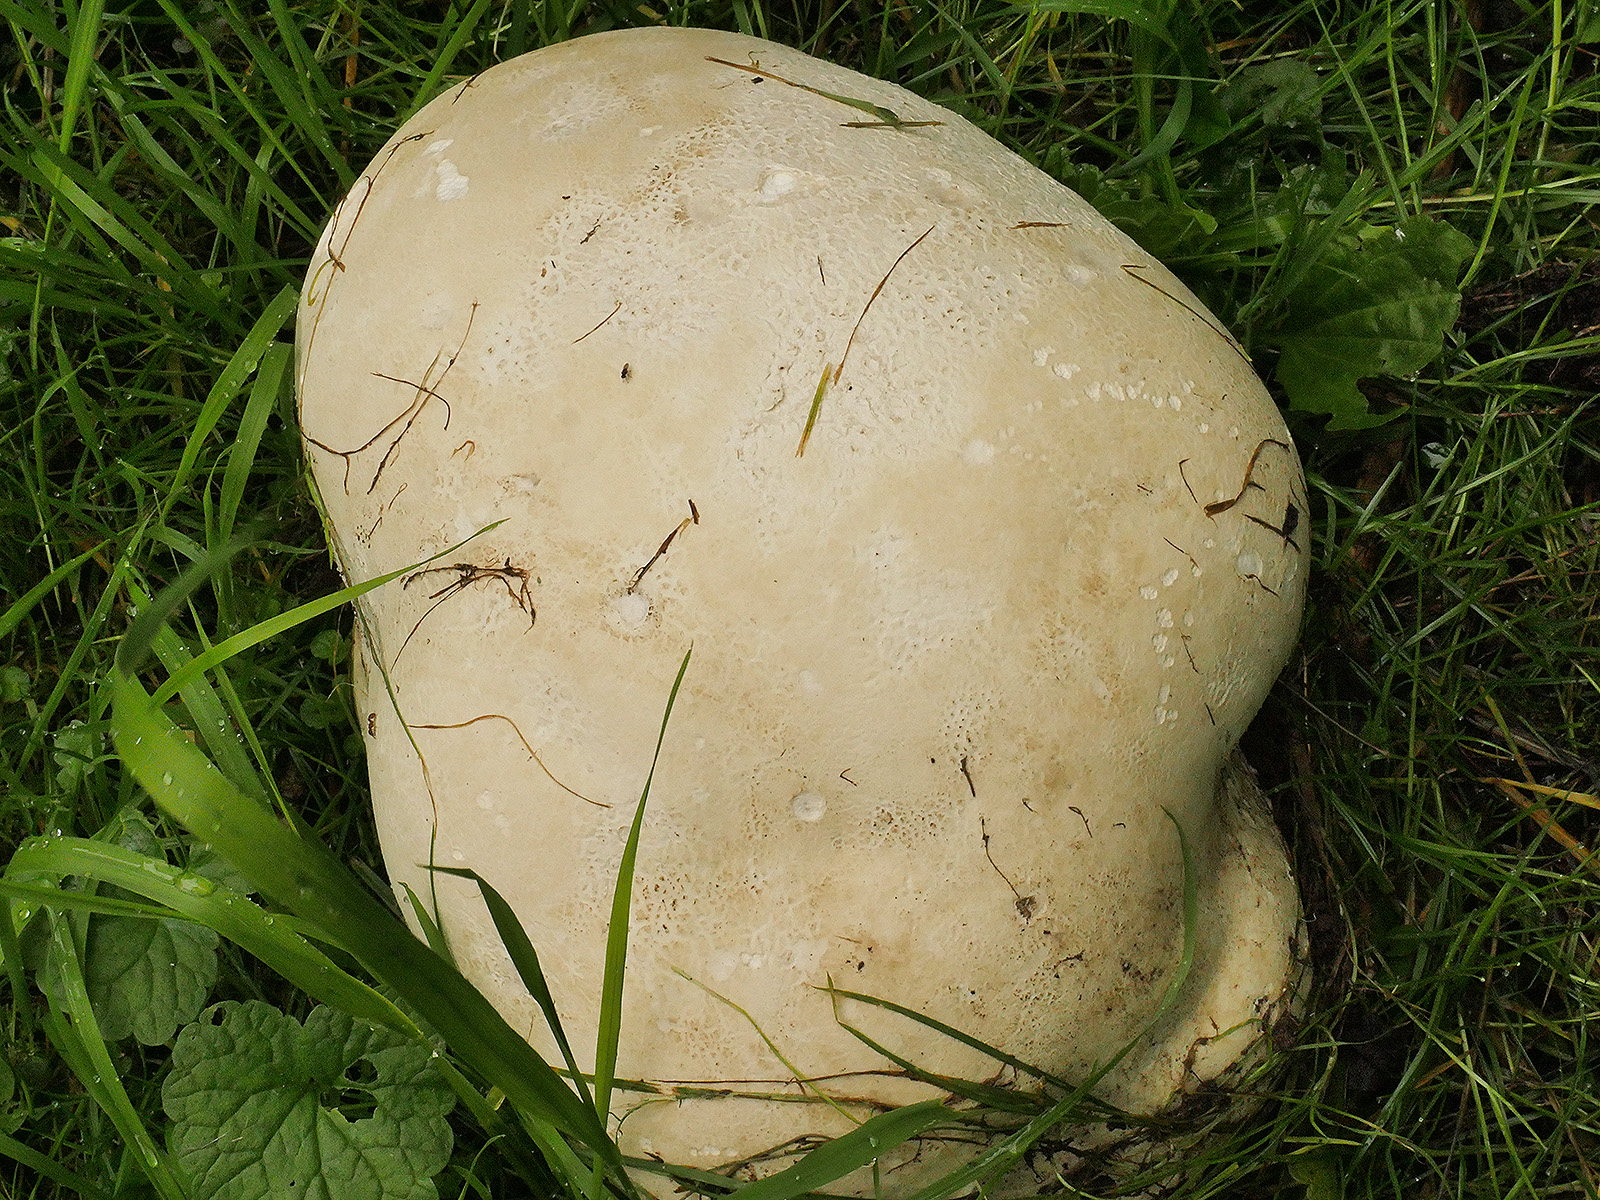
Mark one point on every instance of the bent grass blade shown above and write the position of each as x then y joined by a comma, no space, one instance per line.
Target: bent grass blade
184,894
305,878
526,960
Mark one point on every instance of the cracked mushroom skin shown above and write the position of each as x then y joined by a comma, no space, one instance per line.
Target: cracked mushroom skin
986,537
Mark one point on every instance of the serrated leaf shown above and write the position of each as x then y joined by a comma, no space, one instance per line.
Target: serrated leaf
147,977
1378,308
263,1108
1284,91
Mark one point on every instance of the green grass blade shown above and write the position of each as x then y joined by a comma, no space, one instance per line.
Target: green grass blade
951,1032
445,59
79,1037
207,715
233,916
431,933
270,377
140,637
997,1098
50,1169
24,604
526,960
289,86
304,877
1137,15
240,367
85,40
610,1024
851,1151
109,595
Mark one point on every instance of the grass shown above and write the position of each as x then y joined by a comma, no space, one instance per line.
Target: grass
1432,752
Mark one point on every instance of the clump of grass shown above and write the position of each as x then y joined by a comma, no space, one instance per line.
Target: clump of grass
1431,753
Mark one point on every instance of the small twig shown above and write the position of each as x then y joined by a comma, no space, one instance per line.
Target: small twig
692,519
427,389
466,575
606,318
1025,904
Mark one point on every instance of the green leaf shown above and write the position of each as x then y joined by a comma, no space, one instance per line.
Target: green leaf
14,684
1380,307
1586,23
262,1106
304,875
147,977
1284,91
77,752
1319,1171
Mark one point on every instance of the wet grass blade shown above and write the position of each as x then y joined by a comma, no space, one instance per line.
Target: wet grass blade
76,1033
24,604
240,367
270,377
526,960
185,894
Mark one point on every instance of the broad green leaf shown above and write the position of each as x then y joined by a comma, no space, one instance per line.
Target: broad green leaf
1284,91
262,1106
193,894
1380,307
147,977
1319,1171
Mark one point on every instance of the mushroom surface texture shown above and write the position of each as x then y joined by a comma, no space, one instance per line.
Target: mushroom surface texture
985,535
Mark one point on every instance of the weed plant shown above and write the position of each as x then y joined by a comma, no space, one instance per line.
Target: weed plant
1391,205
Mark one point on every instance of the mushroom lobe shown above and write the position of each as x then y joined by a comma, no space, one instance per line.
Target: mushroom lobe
984,533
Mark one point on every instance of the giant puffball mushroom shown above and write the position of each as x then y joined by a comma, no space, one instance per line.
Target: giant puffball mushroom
986,537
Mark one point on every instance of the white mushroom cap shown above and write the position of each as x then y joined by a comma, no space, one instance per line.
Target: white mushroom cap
953,666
